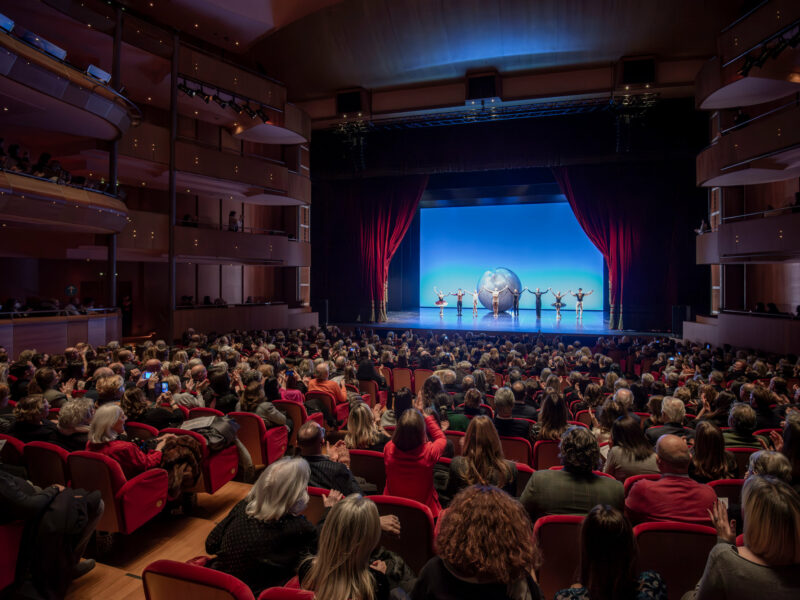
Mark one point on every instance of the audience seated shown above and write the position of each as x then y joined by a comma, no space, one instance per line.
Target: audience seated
409,457
742,423
767,563
710,460
331,471
47,378
342,568
504,421
364,431
31,424
630,453
254,400
136,408
575,489
608,562
485,551
74,420
761,400
264,537
673,497
553,417
481,461
673,412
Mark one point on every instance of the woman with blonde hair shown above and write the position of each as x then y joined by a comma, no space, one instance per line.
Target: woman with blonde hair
482,461
74,421
363,433
767,563
342,569
485,549
264,537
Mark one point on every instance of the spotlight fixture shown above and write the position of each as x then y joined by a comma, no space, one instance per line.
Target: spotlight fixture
205,97
262,115
249,111
191,92
236,108
220,101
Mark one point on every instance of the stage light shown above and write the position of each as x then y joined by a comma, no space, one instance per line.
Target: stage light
237,109
779,46
220,101
249,111
263,116
6,24
98,73
205,97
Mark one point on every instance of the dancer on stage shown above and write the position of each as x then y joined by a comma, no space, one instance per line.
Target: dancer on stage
515,294
538,293
474,303
495,299
558,303
459,294
579,302
441,302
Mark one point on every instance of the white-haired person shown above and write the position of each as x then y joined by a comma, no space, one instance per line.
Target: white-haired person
74,421
342,568
107,425
264,537
768,564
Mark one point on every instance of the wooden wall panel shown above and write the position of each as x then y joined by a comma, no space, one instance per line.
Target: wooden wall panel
208,282
185,280
231,284
778,283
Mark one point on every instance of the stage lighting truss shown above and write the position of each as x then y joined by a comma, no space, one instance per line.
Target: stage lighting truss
771,48
224,99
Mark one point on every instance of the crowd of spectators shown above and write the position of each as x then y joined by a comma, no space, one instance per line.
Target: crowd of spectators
655,407
45,307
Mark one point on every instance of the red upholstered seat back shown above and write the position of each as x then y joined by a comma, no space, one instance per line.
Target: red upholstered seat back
171,580
742,456
252,433
370,466
11,534
94,471
46,464
457,437
730,489
420,376
524,473
285,593
315,508
630,481
517,449
545,454
402,377
558,537
200,411
12,451
658,545
415,544
371,388
296,412
140,430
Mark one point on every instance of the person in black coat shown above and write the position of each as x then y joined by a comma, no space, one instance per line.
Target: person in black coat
367,371
31,424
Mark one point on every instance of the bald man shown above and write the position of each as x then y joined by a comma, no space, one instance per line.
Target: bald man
321,383
673,497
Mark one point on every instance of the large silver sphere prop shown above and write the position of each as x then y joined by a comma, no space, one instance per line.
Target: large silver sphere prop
498,279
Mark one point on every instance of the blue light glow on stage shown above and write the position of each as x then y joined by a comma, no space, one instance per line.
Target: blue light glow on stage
542,243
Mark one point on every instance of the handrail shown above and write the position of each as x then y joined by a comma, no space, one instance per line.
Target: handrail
56,313
206,224
72,185
194,306
762,213
751,313
132,108
763,42
743,124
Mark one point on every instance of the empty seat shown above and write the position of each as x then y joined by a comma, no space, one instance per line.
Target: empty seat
172,580
676,551
420,376
558,538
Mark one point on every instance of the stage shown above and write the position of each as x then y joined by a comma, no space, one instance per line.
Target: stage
592,324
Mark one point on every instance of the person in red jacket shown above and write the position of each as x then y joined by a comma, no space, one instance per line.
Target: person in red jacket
108,423
410,456
674,497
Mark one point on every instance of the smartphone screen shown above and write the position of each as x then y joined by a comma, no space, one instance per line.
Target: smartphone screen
164,387
147,374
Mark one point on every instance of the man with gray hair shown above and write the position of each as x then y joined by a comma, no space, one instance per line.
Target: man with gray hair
674,497
673,412
742,422
625,397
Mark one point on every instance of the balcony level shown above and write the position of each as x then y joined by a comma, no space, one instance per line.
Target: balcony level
764,150
754,62
42,92
42,204
772,237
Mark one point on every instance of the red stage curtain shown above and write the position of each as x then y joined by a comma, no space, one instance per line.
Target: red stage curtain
375,213
631,214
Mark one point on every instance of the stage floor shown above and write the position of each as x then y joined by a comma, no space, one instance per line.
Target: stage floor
592,323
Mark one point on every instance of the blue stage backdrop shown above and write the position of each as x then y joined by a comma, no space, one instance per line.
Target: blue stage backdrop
542,243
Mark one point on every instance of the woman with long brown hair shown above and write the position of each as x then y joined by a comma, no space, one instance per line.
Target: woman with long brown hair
630,453
482,461
608,562
553,417
485,550
710,460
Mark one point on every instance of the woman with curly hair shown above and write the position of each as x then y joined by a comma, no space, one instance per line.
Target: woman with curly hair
485,550
710,460
31,424
482,461
608,562
363,433
254,400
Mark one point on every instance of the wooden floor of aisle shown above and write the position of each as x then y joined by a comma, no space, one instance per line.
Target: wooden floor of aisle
175,537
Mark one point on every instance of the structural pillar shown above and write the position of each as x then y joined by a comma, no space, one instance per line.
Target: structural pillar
113,158
173,135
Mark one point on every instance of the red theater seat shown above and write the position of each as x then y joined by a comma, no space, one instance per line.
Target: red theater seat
742,456
630,481
375,396
11,536
524,473
297,413
129,503
339,411
264,445
558,537
12,451
584,417
457,437
545,455
172,580
200,411
315,508
218,467
46,464
285,593
369,465
420,375
415,543
676,551
517,449
140,430
728,488
402,377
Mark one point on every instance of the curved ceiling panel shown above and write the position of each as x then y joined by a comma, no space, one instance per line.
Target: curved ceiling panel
266,133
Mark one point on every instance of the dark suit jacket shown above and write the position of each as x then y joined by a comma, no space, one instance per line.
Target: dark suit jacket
331,475
653,433
525,411
368,372
564,493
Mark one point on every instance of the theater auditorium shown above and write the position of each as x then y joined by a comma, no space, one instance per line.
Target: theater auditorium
399,299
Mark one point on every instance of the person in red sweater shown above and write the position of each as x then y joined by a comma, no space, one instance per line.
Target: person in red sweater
410,456
108,423
674,497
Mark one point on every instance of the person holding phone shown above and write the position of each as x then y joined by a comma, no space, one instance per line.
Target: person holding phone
161,414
